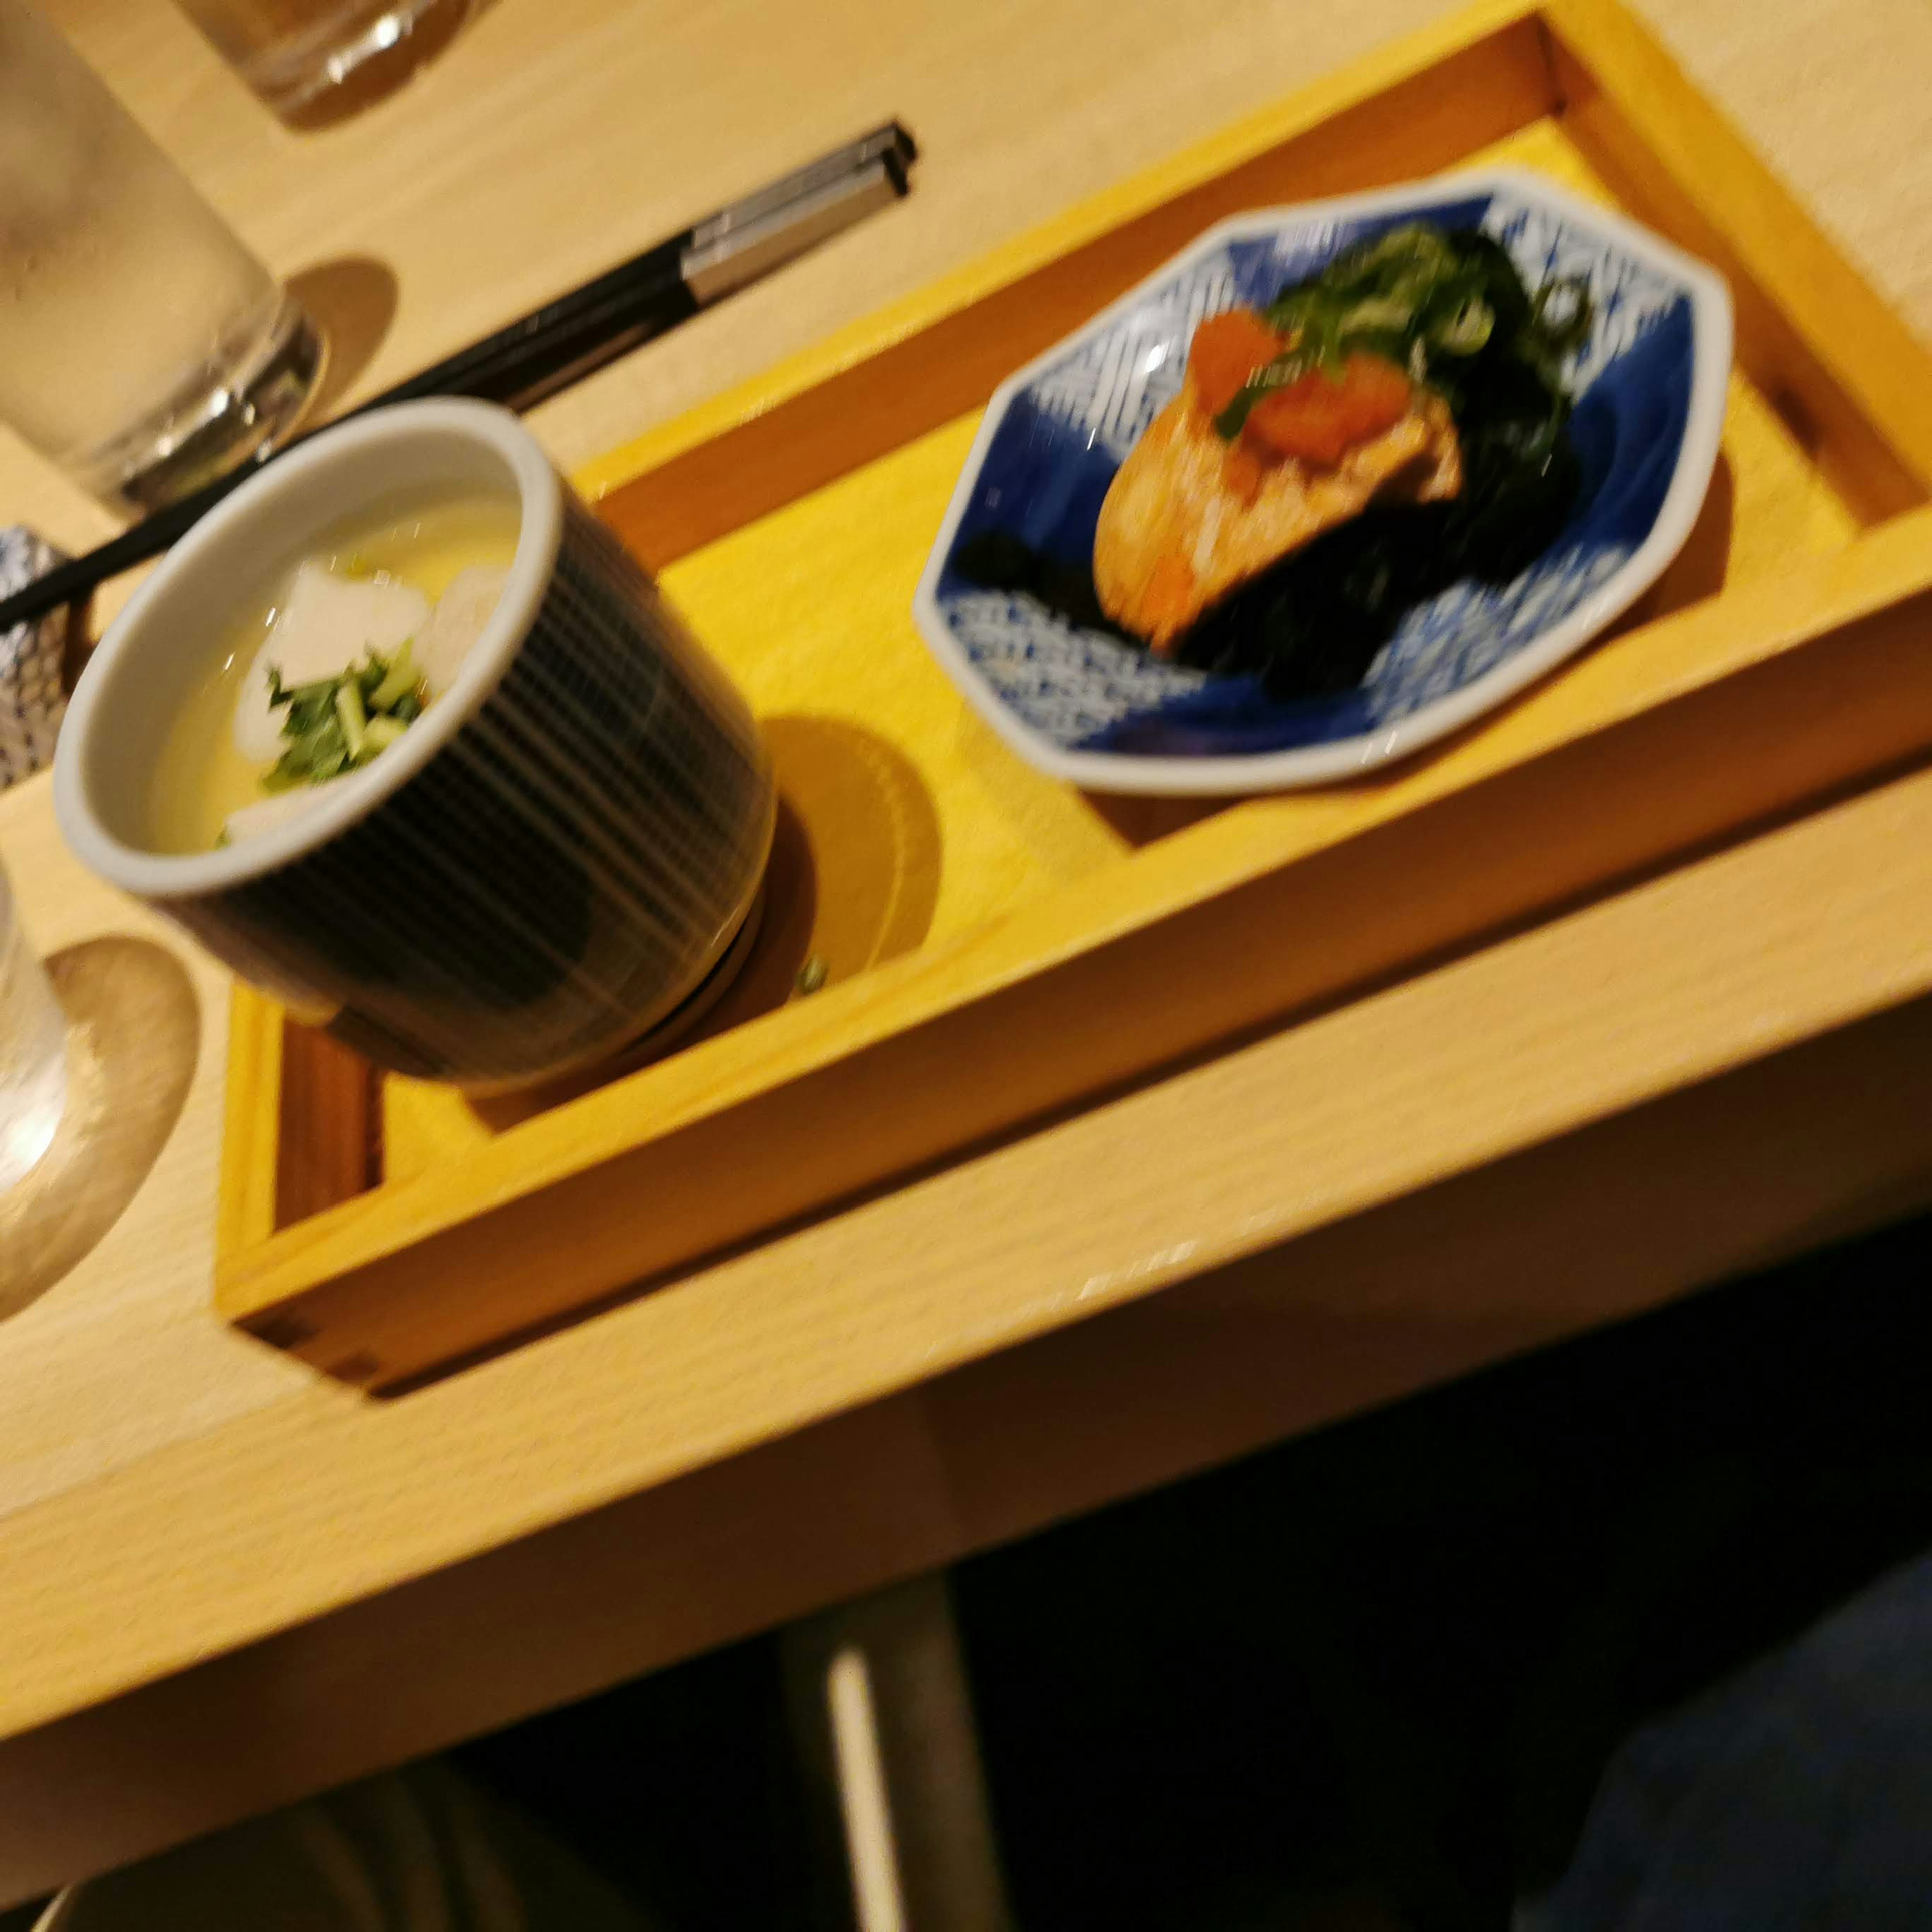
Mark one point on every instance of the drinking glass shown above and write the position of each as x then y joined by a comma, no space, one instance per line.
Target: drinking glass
141,347
313,61
33,1050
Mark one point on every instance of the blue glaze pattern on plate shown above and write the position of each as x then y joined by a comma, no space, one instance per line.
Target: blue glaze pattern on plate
1650,383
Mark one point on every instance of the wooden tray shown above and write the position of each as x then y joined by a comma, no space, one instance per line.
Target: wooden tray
999,945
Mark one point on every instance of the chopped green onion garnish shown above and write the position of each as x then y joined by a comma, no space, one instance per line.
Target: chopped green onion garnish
379,735
355,720
1449,308
400,681
1467,330
335,723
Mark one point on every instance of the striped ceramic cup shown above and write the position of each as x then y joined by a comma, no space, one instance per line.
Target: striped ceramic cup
540,870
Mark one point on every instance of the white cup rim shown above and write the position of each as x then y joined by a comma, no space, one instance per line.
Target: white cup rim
175,875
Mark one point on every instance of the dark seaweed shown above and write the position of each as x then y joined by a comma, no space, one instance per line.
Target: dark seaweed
1311,626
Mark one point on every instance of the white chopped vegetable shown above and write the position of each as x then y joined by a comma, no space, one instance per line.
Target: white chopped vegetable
458,620
327,624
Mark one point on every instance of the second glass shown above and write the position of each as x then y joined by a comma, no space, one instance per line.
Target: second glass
33,1051
141,347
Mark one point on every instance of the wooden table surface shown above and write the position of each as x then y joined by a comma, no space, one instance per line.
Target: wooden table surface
171,1497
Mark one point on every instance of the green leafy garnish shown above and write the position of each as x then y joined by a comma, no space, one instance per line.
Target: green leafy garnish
1448,306
379,734
400,681
350,715
339,724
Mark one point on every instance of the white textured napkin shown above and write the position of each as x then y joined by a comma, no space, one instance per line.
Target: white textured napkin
32,701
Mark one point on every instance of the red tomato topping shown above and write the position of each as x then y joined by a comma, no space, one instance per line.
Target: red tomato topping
1227,349
1319,419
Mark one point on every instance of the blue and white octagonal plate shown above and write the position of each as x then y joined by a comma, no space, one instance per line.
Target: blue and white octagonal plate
1650,384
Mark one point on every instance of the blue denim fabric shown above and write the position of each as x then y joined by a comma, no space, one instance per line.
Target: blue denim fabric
1797,1794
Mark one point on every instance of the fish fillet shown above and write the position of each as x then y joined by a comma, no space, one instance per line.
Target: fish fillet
1178,529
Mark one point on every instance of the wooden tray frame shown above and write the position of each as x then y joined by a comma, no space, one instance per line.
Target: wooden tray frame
1699,723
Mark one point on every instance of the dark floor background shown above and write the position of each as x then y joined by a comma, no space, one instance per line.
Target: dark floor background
1400,1651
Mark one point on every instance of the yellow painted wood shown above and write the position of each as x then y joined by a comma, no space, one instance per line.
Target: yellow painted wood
251,1124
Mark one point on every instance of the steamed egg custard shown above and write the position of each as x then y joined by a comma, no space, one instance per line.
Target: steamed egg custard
350,644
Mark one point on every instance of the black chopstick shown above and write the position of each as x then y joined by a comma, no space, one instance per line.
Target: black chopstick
566,339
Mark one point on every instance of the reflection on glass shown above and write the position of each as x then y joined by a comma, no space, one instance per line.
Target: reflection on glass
33,1050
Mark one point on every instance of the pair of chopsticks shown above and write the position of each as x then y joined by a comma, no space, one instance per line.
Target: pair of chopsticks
565,339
